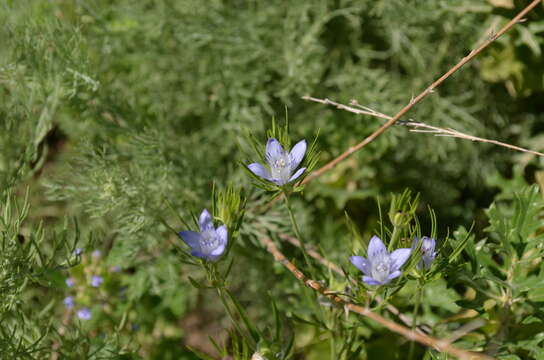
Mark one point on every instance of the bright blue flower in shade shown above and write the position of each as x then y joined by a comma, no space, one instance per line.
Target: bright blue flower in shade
281,163
381,267
70,282
96,253
69,302
78,251
210,243
96,280
84,314
427,251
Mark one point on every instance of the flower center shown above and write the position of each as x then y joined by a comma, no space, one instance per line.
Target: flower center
209,241
280,168
280,163
381,268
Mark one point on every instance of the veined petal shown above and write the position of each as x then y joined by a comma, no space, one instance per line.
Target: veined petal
428,245
273,150
218,251
279,182
199,254
297,174
371,281
205,220
297,154
393,275
259,170
191,238
361,263
223,234
399,257
427,261
375,248
415,242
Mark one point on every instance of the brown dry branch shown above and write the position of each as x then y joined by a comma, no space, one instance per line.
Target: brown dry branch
427,91
424,339
418,126
335,268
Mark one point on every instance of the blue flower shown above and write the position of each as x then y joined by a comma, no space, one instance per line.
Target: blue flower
210,243
381,267
281,163
69,302
78,251
84,314
70,282
427,251
96,280
96,253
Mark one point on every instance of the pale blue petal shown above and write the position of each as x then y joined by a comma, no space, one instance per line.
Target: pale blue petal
279,182
259,170
427,261
297,174
273,150
371,281
375,248
361,263
223,234
414,243
297,154
393,275
428,245
191,238
218,251
205,220
399,257
198,253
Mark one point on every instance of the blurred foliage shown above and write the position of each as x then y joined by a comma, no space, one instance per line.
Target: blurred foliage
120,116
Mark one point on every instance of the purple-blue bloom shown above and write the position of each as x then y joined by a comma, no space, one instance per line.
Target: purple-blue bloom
84,314
96,253
381,267
96,280
281,163
78,251
210,243
69,302
70,282
427,251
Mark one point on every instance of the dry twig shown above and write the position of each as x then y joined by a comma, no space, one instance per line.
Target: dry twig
417,126
422,95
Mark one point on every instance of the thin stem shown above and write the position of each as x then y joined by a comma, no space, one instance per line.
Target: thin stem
299,235
419,292
215,277
394,238
229,311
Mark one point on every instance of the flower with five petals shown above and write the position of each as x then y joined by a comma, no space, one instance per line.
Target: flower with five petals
208,244
282,164
381,266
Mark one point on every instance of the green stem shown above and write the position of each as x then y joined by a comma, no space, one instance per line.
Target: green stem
299,236
229,311
394,238
419,292
224,294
